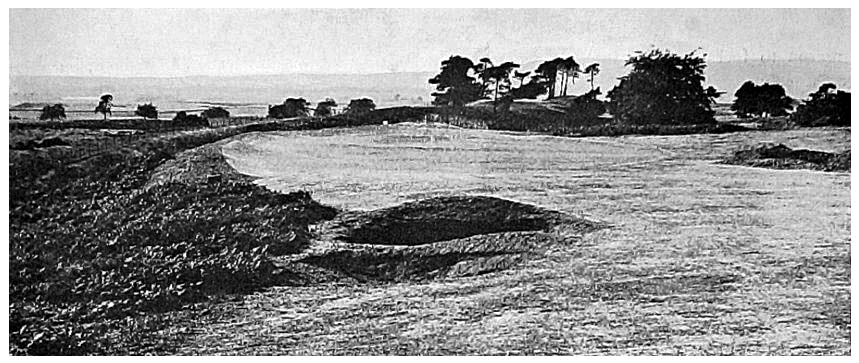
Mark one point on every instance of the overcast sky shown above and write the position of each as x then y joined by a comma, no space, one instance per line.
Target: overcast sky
177,42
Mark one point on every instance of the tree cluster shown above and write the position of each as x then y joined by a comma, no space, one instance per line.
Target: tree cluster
826,106
761,101
291,107
663,88
462,81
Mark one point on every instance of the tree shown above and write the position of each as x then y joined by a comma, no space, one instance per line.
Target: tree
766,99
325,108
593,69
663,88
147,111
216,112
569,69
105,103
360,106
455,83
547,73
291,107
57,111
484,64
826,106
499,77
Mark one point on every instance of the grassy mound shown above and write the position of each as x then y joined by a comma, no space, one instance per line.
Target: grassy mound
783,157
444,236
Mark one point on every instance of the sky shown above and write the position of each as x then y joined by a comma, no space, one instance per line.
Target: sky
182,42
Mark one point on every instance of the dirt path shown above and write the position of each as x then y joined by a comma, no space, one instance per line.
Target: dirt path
701,258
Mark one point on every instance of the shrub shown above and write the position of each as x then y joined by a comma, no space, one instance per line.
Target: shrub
216,112
324,108
57,111
360,107
826,106
291,107
586,107
764,100
147,111
184,119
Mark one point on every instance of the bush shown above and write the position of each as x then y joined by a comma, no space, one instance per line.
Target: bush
764,100
184,119
360,107
324,108
57,111
216,112
824,107
291,107
586,107
147,111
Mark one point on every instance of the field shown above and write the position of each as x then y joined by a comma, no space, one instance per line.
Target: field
695,257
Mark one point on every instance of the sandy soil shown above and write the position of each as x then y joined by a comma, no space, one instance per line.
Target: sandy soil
700,258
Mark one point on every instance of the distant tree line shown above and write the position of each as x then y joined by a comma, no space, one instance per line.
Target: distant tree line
824,107
299,107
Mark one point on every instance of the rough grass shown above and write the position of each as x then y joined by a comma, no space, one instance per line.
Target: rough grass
703,258
97,260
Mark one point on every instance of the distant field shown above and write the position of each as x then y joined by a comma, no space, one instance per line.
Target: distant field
701,258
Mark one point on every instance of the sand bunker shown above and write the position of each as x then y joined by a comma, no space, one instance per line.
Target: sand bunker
445,236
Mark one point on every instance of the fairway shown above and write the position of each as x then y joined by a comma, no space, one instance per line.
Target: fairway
700,258
380,166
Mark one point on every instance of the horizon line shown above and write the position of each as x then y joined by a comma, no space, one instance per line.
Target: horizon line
762,59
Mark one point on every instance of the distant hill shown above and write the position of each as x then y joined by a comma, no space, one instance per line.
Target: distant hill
799,77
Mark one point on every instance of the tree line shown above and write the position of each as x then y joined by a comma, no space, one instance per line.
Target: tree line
291,107
661,87
299,107
462,81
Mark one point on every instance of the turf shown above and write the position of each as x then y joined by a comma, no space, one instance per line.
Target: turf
702,257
